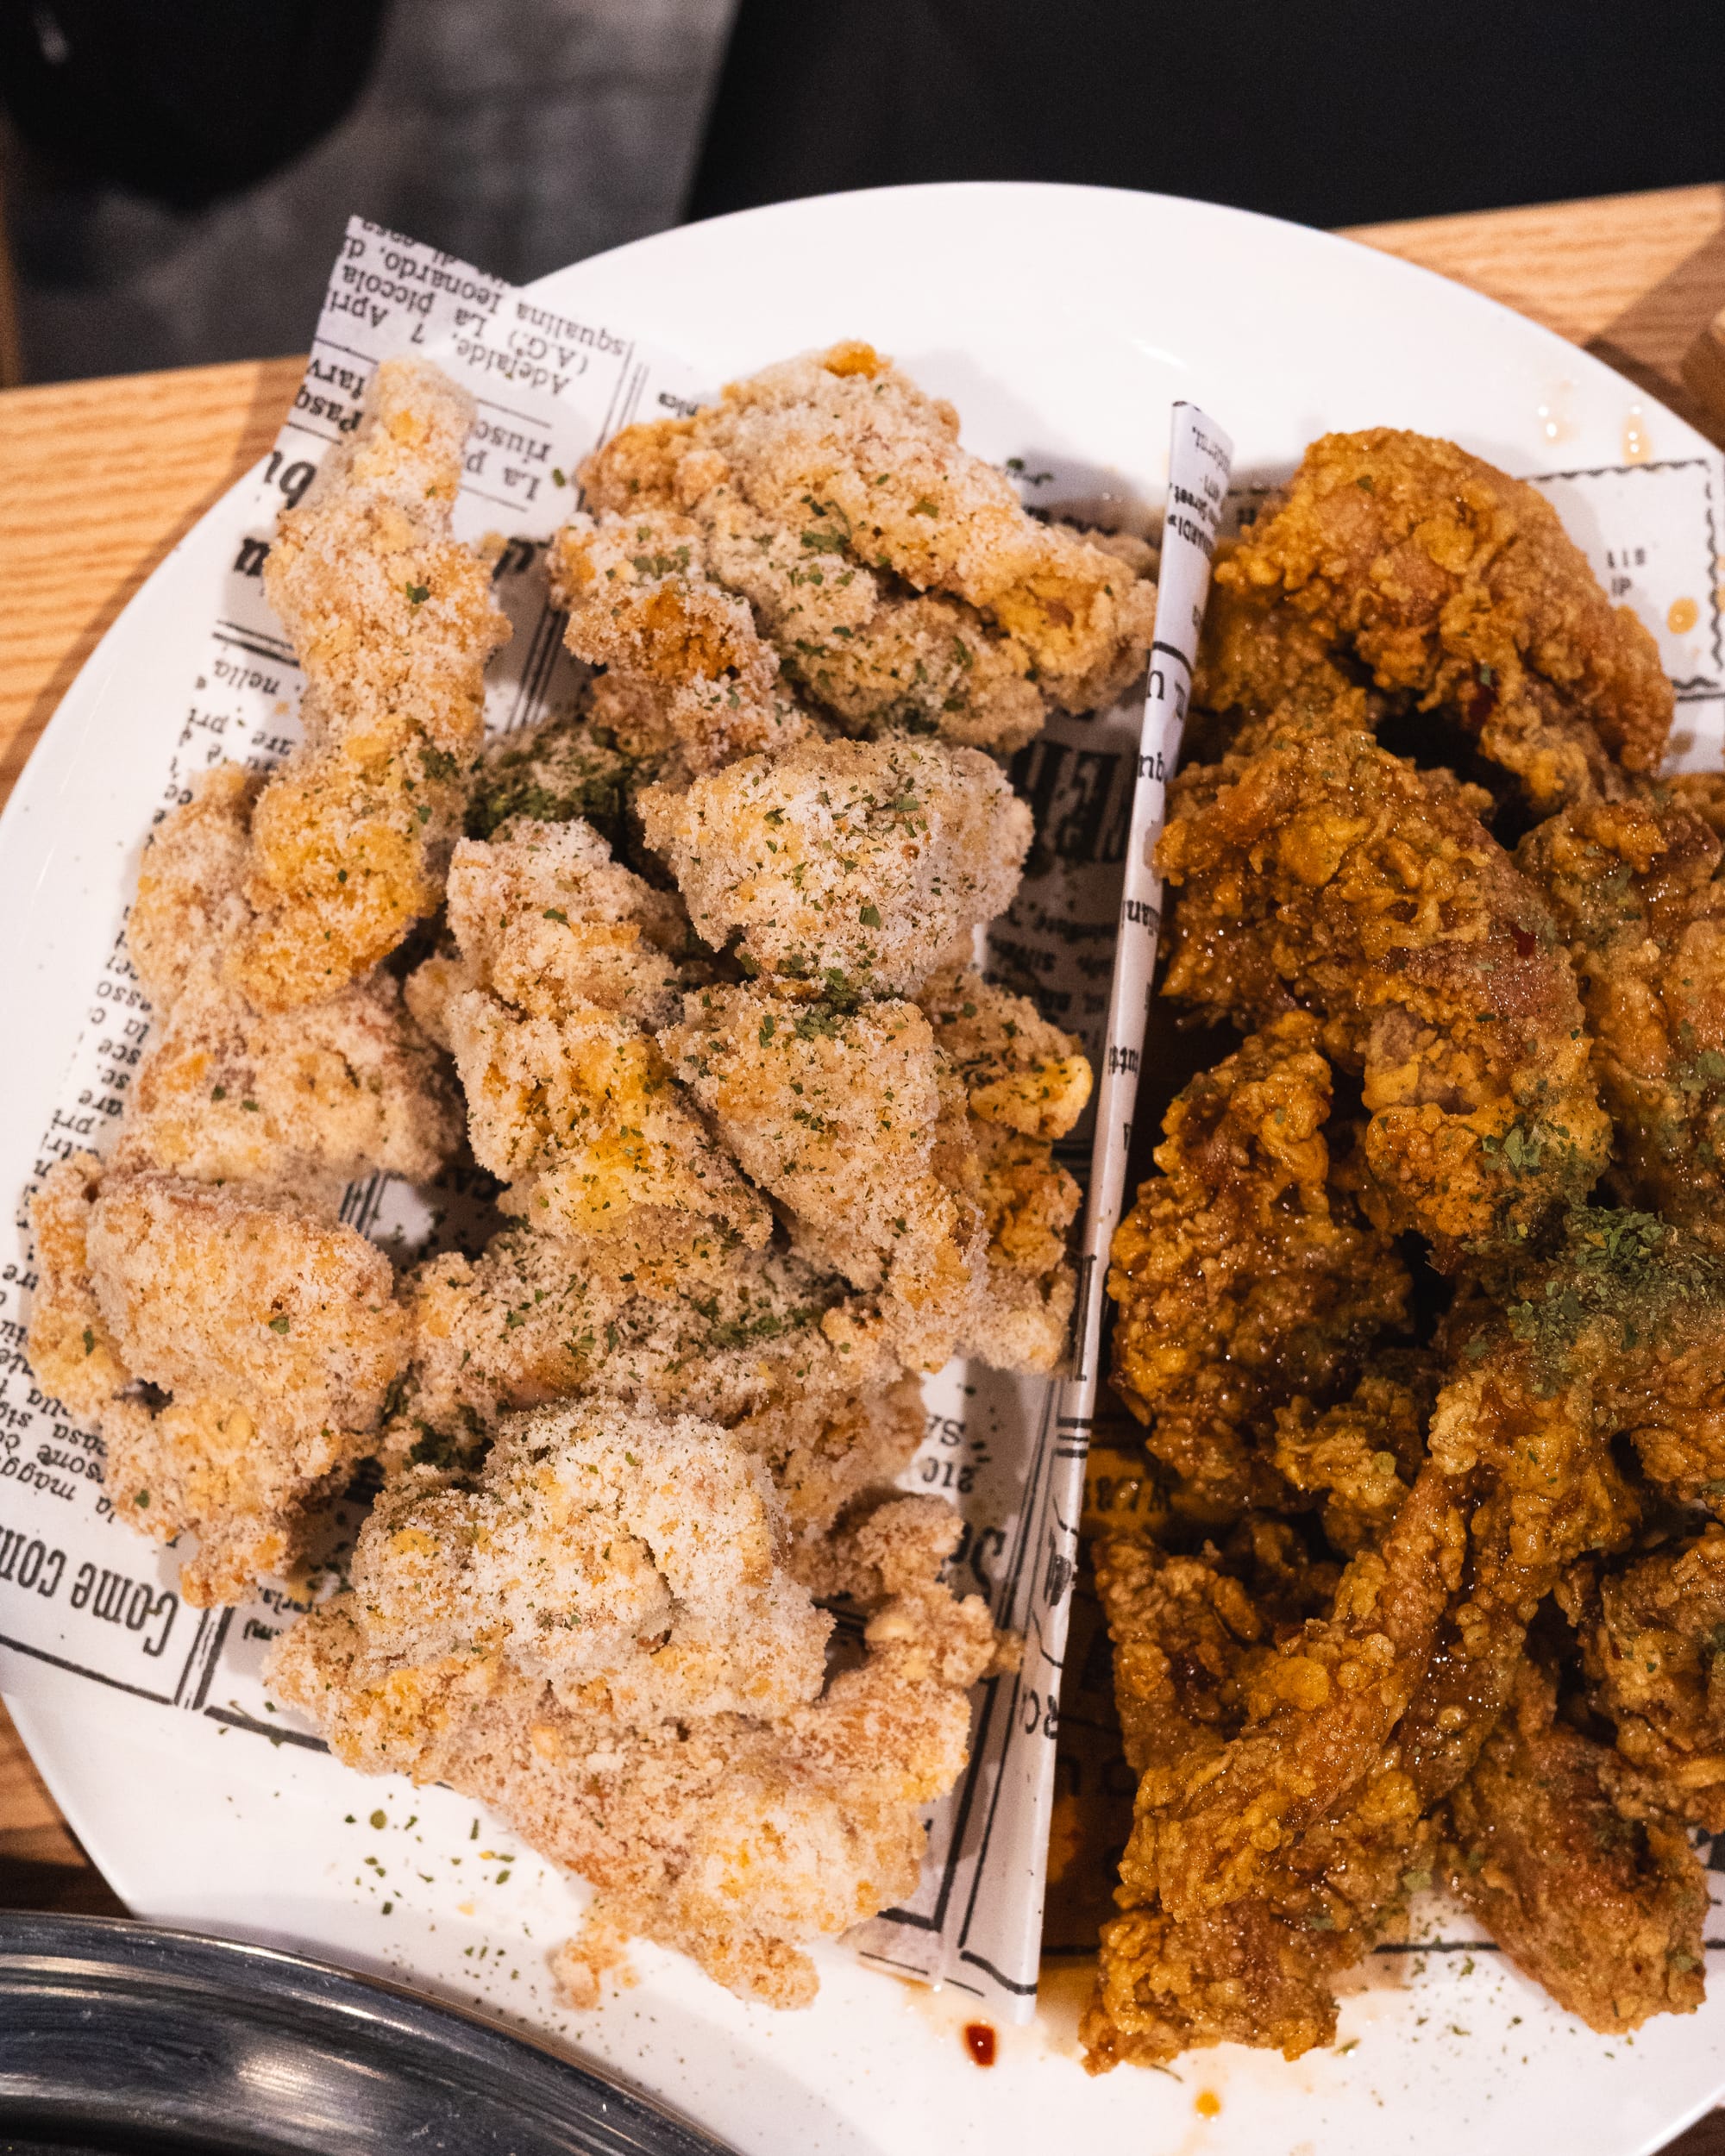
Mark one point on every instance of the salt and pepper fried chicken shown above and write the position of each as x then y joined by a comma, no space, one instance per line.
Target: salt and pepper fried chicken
624,1445
1511,1684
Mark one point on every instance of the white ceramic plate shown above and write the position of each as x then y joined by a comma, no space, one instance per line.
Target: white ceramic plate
1062,322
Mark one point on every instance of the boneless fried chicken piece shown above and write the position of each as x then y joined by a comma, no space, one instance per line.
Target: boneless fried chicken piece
306,1100
1652,1645
1576,1870
703,685
554,773
274,1336
392,620
724,1797
828,484
1325,873
846,1119
1458,585
857,867
1244,1275
754,1340
1636,889
191,897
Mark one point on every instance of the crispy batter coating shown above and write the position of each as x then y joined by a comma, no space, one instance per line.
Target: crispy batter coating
393,620
703,686
1636,890
754,1340
191,898
1362,1453
598,1636
306,1100
1458,585
1653,1648
1245,1276
847,1118
1583,1880
72,1352
554,772
275,1337
828,484
1019,1072
858,868
1322,871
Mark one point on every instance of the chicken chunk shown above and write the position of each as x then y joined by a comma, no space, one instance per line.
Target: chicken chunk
1458,585
855,868
393,620
1324,872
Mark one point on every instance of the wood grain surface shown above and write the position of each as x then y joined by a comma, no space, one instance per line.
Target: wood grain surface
98,479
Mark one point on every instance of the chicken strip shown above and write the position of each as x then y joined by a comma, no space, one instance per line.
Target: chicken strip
829,481
1323,872
392,620
1458,585
725,1797
1587,1885
1652,1649
855,867
1637,892
1245,1276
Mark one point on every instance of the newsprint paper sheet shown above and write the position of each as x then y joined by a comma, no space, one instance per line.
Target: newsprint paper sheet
84,1600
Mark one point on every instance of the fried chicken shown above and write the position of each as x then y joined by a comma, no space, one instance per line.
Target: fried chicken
754,1340
1581,1877
392,620
900,579
566,961
1637,893
1244,1275
554,772
597,1635
689,677
274,1337
1457,587
855,868
1653,1651
1319,871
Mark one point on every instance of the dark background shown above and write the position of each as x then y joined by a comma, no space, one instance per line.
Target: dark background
177,173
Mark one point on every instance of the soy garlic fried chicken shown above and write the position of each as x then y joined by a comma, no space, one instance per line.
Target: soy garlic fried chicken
1245,1276
1652,1653
857,867
899,577
1458,585
392,620
1321,872
1578,1873
597,1635
1636,890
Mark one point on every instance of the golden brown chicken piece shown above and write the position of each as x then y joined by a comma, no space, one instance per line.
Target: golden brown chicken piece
566,961
1323,872
823,487
754,1341
723,1795
1637,892
1652,1649
1244,1275
689,678
190,901
857,868
275,1337
1458,585
1576,1870
393,620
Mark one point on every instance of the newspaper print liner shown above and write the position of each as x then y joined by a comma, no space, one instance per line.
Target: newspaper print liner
84,1601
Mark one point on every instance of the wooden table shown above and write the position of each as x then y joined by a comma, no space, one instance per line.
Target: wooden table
97,480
